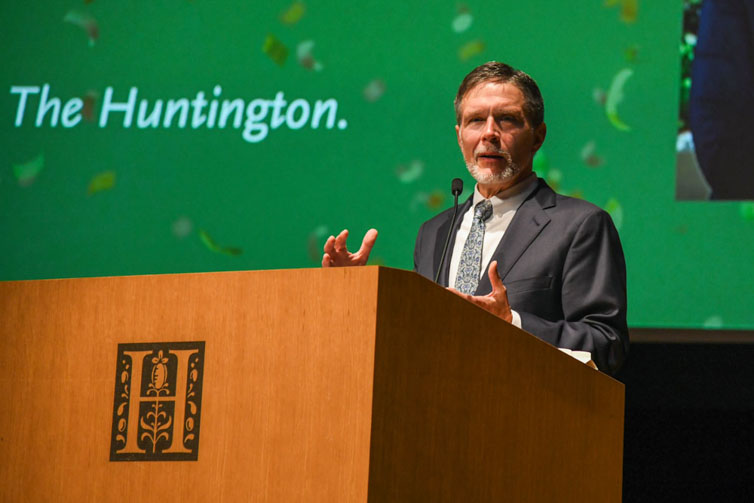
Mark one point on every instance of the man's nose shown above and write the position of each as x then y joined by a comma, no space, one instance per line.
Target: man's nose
490,131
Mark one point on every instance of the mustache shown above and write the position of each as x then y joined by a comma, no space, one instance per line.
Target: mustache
491,149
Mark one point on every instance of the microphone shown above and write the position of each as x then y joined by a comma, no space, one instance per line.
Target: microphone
456,187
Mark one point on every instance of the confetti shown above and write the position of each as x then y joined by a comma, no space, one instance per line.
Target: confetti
462,21
599,96
540,163
747,211
632,53
315,242
374,90
293,14
470,49
615,210
84,21
713,322
182,227
90,103
436,199
275,49
305,58
589,155
432,201
615,97
554,177
629,9
411,172
27,172
100,182
213,246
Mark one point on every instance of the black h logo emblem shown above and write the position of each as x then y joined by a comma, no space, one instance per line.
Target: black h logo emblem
158,398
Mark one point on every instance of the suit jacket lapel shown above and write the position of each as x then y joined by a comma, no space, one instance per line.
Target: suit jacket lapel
442,233
526,225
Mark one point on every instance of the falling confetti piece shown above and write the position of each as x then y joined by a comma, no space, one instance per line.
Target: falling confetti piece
615,97
470,49
27,172
629,9
84,21
589,155
713,322
316,241
374,90
100,182
411,172
294,13
182,227
436,199
615,210
213,246
90,104
599,96
747,211
305,58
275,49
554,177
462,21
632,53
578,194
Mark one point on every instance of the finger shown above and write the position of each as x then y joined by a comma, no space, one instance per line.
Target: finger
330,245
340,242
368,242
326,260
495,281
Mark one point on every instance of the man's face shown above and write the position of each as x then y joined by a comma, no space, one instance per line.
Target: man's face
497,141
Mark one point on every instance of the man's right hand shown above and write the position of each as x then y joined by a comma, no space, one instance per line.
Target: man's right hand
337,255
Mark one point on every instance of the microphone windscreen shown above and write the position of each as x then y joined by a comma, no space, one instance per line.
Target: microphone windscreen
456,186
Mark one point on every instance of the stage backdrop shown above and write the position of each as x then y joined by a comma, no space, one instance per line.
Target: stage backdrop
177,136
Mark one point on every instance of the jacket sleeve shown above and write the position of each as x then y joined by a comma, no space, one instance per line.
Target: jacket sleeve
593,296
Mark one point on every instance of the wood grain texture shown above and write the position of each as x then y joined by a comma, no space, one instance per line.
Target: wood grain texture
362,384
287,386
469,408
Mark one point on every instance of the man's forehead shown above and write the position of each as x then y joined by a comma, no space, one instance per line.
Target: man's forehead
497,94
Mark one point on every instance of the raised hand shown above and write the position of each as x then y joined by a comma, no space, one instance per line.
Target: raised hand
337,255
496,301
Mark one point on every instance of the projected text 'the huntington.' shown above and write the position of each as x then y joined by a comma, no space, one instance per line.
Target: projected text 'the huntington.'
257,116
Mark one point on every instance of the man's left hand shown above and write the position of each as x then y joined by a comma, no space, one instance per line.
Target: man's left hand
496,301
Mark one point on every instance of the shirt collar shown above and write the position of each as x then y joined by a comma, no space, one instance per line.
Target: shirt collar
510,197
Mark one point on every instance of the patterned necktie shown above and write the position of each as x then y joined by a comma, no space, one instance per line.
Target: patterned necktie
470,265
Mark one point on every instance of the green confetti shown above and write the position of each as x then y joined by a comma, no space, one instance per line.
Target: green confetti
615,97
470,49
374,90
316,242
589,155
713,322
410,173
747,211
632,53
27,172
554,177
614,208
100,182
275,49
294,13
213,246
84,21
629,9
540,163
462,21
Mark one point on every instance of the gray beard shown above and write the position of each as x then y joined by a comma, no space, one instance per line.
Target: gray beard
510,171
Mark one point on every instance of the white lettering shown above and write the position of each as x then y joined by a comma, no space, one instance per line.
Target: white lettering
153,120
277,105
254,130
330,106
71,115
291,112
45,106
109,106
24,91
174,106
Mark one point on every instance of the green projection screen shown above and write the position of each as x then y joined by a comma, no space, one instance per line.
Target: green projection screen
182,136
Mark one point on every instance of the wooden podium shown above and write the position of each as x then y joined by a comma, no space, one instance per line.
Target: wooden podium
337,385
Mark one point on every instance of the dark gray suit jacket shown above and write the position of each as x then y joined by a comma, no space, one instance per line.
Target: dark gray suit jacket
562,264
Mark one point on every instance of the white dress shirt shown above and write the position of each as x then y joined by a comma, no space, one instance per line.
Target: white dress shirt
504,207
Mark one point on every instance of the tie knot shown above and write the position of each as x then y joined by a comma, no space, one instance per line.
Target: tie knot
483,210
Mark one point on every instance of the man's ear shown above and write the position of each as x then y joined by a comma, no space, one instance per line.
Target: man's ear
458,135
539,136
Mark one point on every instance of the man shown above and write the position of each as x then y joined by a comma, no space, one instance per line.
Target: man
554,264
